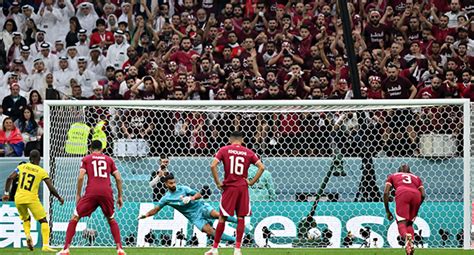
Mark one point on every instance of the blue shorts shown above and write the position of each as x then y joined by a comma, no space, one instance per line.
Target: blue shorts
203,217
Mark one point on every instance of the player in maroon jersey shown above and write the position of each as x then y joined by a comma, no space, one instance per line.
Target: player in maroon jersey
235,196
98,168
409,194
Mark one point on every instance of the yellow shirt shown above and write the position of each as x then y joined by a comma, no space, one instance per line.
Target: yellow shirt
29,180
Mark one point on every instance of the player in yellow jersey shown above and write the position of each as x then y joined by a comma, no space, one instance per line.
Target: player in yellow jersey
26,198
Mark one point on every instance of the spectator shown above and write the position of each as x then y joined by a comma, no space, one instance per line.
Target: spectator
149,89
59,50
26,58
51,92
101,37
11,141
469,91
76,90
117,52
397,87
85,77
49,19
436,90
7,33
97,63
463,38
98,91
156,183
62,76
29,129
87,16
235,52
72,36
375,89
35,103
454,13
13,104
182,56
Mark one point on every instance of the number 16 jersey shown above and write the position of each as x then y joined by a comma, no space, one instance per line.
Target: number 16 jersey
403,182
98,168
29,180
236,160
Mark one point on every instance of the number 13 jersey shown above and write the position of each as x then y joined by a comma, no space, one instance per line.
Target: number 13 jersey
29,180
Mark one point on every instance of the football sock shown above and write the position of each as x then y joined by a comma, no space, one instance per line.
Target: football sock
71,230
240,232
45,233
232,219
410,230
27,227
402,229
219,231
114,228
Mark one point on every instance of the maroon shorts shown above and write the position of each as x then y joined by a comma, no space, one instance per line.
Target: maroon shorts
407,205
88,204
235,199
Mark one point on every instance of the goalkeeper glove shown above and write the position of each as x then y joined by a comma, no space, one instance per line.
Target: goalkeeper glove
187,199
141,217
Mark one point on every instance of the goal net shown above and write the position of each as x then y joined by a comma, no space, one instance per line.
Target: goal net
326,161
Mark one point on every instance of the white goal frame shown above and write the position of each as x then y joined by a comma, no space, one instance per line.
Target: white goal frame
291,105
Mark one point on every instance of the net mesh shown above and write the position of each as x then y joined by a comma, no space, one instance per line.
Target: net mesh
338,156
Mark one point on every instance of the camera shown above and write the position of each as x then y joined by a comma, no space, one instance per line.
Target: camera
266,234
365,233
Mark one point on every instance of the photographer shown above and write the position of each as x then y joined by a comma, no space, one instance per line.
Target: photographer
155,179
267,234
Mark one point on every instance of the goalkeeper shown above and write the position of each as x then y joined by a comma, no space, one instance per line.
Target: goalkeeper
186,201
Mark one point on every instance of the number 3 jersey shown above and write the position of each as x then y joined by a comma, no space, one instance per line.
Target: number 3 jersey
403,182
98,168
29,180
236,160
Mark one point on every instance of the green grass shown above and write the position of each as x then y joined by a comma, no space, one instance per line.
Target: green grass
245,251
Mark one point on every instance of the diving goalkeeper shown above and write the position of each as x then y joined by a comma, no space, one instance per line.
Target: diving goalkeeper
186,201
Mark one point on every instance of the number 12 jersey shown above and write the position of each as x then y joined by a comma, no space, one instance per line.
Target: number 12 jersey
98,168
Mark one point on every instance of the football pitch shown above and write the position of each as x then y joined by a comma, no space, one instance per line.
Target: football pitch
245,251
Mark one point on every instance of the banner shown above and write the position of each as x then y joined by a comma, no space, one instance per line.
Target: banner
279,217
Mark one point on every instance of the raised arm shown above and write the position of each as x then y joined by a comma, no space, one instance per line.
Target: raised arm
118,182
135,86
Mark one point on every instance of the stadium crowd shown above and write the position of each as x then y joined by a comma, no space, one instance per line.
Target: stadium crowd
223,50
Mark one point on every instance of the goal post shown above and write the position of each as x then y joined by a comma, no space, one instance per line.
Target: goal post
327,162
